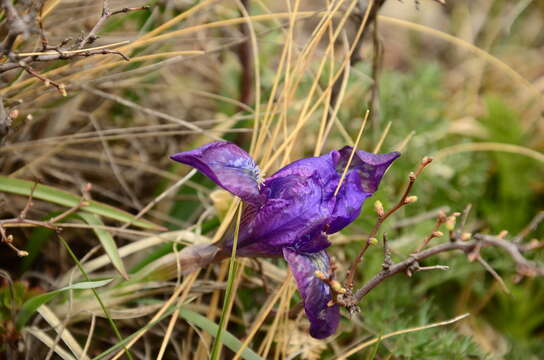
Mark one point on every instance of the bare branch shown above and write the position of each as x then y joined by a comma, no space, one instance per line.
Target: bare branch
530,227
404,200
16,25
106,13
524,266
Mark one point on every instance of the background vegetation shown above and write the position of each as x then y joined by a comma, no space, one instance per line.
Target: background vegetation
461,82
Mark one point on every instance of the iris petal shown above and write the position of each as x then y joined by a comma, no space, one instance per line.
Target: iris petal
370,167
228,166
349,202
315,293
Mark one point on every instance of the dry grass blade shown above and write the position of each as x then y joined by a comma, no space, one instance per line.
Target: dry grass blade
44,338
265,310
488,146
180,293
66,336
353,151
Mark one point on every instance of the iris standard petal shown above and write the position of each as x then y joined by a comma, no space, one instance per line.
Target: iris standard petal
349,202
370,167
315,293
228,166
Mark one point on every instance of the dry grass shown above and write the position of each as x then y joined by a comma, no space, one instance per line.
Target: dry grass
121,119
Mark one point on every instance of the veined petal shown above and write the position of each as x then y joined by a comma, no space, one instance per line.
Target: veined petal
370,167
315,293
228,166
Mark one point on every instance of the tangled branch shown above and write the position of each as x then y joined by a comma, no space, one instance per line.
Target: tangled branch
24,25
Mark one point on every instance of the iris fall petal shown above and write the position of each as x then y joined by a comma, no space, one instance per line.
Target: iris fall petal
228,166
315,293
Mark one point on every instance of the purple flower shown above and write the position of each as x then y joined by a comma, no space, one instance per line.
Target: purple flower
291,213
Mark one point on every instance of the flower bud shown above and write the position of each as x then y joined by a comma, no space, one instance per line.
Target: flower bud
62,90
450,222
438,234
13,114
410,199
337,287
378,207
87,187
320,275
373,241
502,234
22,253
466,236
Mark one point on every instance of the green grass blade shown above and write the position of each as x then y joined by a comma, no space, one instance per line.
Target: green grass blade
61,197
106,240
211,328
31,305
95,293
216,349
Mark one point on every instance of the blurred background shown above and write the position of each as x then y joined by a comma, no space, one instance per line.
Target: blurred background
460,81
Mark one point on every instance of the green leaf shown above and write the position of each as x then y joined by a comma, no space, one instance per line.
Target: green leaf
31,305
106,240
60,197
211,328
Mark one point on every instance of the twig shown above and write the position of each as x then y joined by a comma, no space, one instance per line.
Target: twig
61,88
441,218
404,200
530,227
493,273
524,267
22,221
419,218
16,26
57,55
29,203
106,13
387,262
6,118
464,218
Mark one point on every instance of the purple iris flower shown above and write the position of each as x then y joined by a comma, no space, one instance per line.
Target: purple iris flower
290,213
